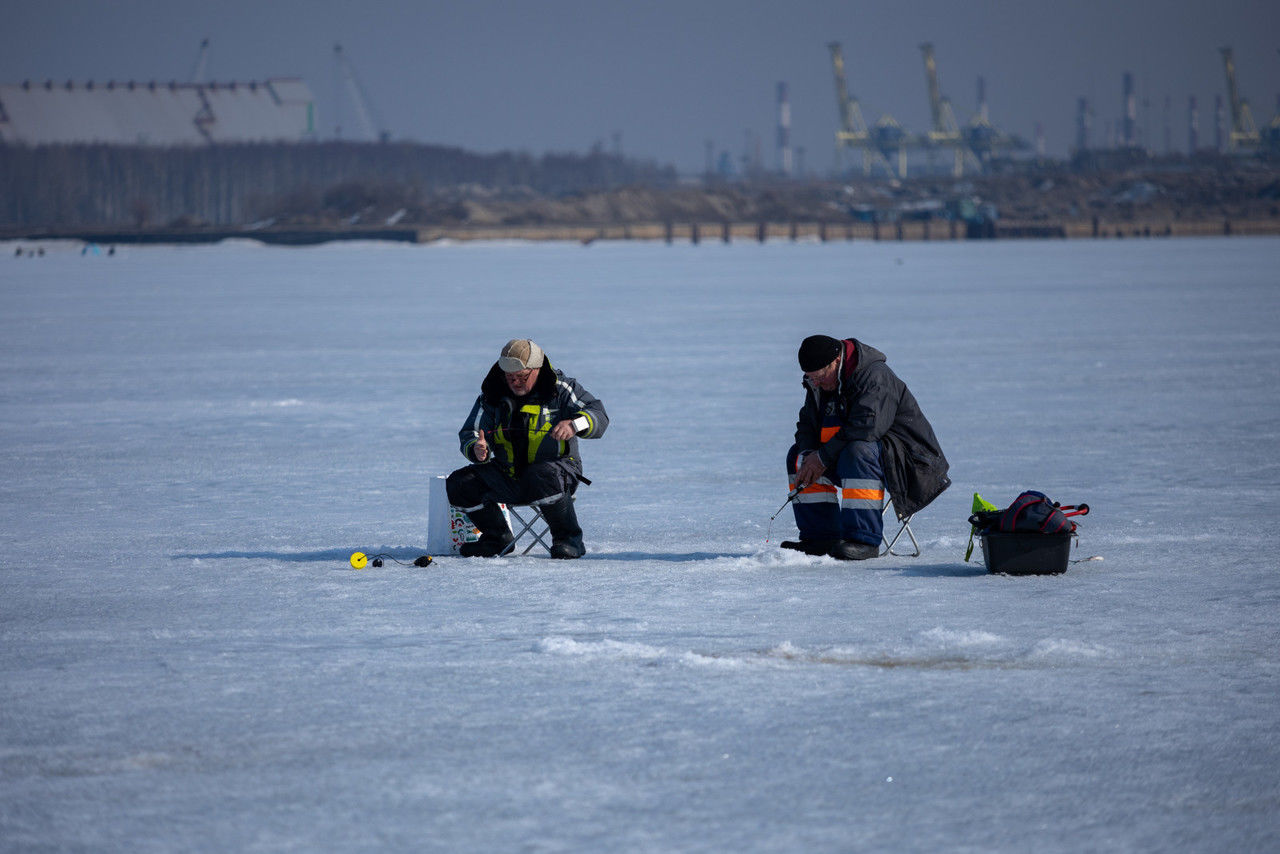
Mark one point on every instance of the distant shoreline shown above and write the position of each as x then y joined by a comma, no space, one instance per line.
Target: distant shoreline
685,232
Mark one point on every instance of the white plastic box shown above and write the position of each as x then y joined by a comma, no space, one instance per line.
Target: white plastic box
447,526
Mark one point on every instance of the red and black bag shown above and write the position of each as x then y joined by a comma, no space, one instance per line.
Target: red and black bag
1033,511
1030,512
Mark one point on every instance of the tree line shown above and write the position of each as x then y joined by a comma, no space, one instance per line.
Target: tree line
230,185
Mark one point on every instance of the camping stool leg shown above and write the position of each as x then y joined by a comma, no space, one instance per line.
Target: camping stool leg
905,528
527,527
538,537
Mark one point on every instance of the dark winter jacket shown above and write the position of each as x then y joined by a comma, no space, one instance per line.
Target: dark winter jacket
516,428
872,405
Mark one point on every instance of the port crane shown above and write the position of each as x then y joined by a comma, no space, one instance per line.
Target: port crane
944,133
1244,133
985,139
975,143
887,137
202,62
369,120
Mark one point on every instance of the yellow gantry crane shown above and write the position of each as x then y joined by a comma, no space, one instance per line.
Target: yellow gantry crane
975,143
853,132
1244,134
945,133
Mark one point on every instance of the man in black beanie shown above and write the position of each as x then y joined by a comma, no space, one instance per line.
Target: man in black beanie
860,433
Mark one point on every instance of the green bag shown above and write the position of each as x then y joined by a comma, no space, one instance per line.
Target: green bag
980,504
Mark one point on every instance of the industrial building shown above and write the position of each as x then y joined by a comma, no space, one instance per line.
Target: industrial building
156,114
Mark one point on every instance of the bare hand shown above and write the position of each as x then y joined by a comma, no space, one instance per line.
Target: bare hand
481,448
564,431
810,470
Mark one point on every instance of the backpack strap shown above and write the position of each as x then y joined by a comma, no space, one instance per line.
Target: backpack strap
1009,519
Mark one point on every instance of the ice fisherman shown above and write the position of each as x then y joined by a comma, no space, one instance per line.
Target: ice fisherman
522,439
860,432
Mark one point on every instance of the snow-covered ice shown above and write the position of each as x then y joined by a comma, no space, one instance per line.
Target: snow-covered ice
195,439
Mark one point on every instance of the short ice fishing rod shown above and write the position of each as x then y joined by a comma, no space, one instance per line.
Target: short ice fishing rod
485,434
791,496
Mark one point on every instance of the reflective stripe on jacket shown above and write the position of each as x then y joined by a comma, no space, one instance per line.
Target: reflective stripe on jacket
872,404
516,428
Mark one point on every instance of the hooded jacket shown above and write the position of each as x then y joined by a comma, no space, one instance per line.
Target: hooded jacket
517,428
873,405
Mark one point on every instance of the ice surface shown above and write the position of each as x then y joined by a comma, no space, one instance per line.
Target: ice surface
195,439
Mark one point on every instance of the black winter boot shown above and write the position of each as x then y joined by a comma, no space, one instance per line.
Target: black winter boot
566,534
809,547
853,550
495,533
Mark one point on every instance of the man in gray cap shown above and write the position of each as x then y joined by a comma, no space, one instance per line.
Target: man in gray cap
860,433
522,439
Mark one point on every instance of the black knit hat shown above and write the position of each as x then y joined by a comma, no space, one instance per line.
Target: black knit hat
818,351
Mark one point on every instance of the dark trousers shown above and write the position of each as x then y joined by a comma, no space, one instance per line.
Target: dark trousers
846,503
471,487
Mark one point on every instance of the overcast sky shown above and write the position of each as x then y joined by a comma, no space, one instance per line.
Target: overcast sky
669,75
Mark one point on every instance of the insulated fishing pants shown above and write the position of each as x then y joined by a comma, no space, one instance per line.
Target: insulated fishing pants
470,487
847,502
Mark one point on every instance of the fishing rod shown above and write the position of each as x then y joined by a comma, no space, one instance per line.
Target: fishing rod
791,496
485,434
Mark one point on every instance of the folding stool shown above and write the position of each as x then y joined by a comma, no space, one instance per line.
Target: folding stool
531,517
905,529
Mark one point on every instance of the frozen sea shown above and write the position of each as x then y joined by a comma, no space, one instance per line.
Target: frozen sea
195,439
